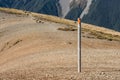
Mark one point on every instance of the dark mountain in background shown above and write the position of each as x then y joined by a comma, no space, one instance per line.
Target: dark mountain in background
70,9
104,13
40,6
76,8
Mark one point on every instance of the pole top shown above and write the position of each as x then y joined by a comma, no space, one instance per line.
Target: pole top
79,20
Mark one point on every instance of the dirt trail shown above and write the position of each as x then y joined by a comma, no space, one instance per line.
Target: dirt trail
38,51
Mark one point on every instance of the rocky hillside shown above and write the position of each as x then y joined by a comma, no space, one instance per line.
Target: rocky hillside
104,13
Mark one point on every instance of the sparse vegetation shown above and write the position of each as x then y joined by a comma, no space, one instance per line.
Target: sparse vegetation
41,16
13,11
67,29
98,34
102,35
55,19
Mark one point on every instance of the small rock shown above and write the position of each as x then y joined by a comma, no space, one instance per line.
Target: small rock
69,42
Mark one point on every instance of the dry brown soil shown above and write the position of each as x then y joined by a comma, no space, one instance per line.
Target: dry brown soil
38,51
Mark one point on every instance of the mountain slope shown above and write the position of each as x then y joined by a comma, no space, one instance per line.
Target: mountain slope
98,12
55,7
104,13
37,46
40,6
76,8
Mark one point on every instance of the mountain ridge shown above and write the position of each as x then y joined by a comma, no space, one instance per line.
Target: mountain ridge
98,12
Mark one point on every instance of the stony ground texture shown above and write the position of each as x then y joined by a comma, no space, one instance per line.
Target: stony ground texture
37,50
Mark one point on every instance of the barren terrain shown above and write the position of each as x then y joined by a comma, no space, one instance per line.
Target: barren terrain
33,49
